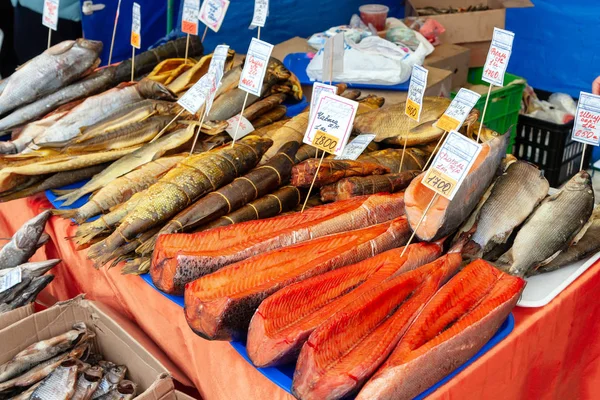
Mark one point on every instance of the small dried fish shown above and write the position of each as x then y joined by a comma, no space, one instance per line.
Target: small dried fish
112,376
60,384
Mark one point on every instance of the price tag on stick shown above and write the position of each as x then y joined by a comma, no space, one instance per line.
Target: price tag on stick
451,164
458,110
416,91
261,11
50,14
356,147
255,66
212,13
195,97
216,67
245,126
318,89
498,56
586,128
331,124
333,57
136,26
189,18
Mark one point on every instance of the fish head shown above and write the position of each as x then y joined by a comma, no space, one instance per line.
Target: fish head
150,89
278,70
581,181
93,374
126,387
116,373
93,45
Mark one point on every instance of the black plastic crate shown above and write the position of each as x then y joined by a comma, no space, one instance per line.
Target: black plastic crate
549,146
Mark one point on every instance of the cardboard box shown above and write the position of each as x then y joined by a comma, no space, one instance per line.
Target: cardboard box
478,52
182,396
117,339
467,27
453,58
9,318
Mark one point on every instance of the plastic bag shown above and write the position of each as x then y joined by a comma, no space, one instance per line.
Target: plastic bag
317,41
564,102
401,34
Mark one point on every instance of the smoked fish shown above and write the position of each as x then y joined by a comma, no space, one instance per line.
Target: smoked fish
364,185
331,171
219,306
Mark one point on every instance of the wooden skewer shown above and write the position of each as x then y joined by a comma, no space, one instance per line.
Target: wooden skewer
312,183
487,99
412,236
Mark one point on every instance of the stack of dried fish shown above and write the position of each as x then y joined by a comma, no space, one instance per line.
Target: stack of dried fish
21,281
63,367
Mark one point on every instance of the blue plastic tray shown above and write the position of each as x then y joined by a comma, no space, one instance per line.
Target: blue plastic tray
52,198
297,63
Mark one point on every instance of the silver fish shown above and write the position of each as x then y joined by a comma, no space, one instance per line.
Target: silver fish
112,377
3,84
29,133
60,384
54,68
551,227
87,383
24,242
91,85
29,271
97,108
513,198
125,390
26,395
29,294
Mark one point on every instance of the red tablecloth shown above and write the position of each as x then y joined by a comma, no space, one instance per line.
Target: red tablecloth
553,352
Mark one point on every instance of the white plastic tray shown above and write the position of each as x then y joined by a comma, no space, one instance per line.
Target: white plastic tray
541,289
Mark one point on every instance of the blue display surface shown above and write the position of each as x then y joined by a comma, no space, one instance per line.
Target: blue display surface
297,63
52,198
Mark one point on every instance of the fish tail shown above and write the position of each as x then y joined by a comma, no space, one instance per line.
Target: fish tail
8,147
147,247
66,214
103,251
86,234
70,197
62,192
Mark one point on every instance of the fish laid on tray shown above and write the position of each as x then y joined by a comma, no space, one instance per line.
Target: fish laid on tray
328,171
360,186
445,216
181,258
551,227
342,353
284,321
220,305
452,327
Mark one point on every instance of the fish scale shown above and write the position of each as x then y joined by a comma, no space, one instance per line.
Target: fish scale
59,385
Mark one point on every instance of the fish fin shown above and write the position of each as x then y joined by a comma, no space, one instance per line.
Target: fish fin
62,192
582,232
153,113
132,268
548,260
66,214
70,197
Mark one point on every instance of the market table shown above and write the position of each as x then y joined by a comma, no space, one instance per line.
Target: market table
553,352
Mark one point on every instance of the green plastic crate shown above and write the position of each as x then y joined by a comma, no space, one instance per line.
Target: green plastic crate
503,109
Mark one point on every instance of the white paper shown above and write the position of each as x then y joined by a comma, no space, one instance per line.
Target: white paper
355,148
244,129
189,18
217,64
255,66
498,56
586,128
10,279
416,89
212,13
50,14
136,26
333,57
195,97
335,116
318,89
461,105
261,11
455,158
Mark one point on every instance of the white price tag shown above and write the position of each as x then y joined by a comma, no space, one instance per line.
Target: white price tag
586,128
212,13
331,123
458,110
451,164
10,279
261,11
50,14
189,18
255,66
245,126
333,57
318,89
217,64
355,148
498,56
416,91
195,97
136,26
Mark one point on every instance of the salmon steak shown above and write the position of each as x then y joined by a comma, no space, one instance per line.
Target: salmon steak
341,354
284,321
445,216
181,258
220,305
451,328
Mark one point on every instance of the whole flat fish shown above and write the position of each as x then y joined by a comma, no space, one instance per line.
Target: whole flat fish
59,385
54,68
513,198
24,242
551,227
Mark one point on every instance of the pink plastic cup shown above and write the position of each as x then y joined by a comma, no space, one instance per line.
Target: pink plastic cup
374,14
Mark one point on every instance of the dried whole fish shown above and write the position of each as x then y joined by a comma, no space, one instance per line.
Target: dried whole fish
112,376
414,159
54,68
29,294
24,242
128,163
329,171
195,176
551,227
263,105
28,133
273,115
60,384
29,271
359,186
292,130
87,383
125,390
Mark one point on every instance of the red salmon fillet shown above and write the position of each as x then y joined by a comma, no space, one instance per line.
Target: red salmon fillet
284,320
452,327
180,258
220,305
345,351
